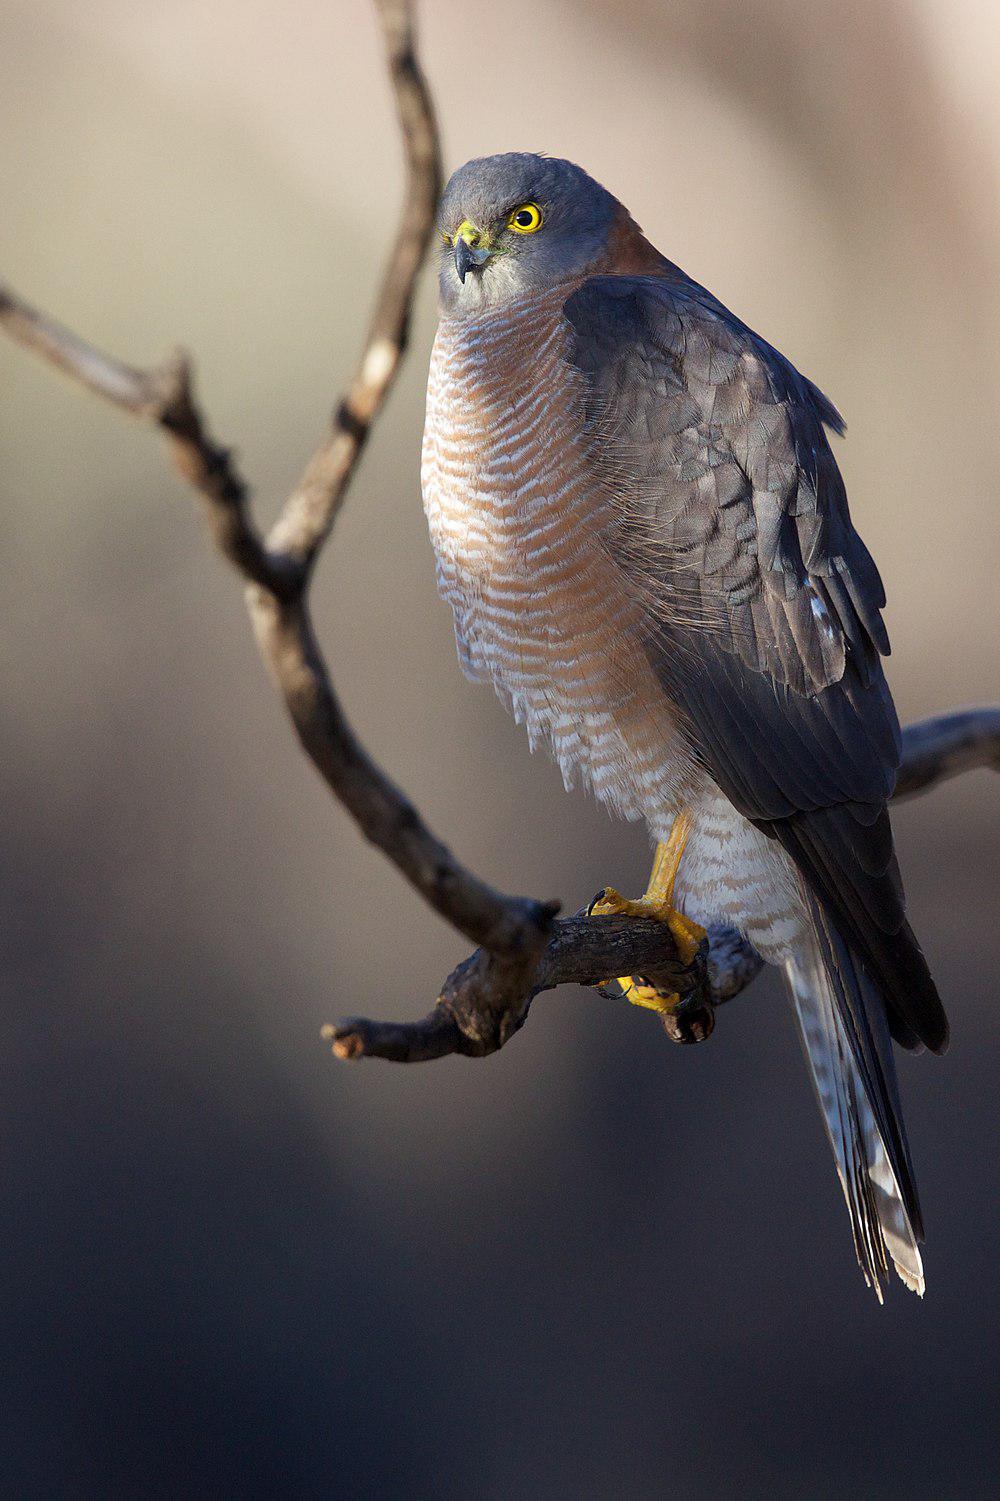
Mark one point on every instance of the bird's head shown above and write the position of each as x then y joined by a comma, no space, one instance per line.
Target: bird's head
513,226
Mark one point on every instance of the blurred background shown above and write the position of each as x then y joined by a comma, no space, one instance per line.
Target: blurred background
594,1265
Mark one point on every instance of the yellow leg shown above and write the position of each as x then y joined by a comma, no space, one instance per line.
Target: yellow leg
658,902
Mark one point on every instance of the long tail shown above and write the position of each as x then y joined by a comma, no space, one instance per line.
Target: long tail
845,1030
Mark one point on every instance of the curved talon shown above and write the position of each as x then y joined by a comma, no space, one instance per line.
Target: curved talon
610,903
610,990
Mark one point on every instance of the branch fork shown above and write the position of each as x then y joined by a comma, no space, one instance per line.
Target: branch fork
523,948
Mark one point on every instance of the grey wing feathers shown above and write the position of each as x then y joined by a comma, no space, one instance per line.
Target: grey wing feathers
754,521
763,604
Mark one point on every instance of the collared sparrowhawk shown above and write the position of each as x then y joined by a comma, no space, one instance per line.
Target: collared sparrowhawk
645,541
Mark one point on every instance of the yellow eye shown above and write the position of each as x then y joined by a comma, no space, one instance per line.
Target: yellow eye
526,219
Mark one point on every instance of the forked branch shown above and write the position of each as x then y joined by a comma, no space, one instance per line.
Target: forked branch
523,949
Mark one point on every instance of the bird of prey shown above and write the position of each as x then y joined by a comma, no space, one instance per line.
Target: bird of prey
645,541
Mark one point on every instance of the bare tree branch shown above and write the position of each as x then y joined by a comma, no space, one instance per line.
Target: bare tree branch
482,1004
943,747
523,950
312,508
279,572
486,999
383,813
164,397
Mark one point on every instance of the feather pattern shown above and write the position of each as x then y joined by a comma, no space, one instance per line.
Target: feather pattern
860,1110
762,604
764,626
646,545
517,518
713,445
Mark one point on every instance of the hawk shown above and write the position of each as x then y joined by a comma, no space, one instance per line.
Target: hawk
645,541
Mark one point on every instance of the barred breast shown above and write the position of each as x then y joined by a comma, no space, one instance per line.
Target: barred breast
542,611
516,518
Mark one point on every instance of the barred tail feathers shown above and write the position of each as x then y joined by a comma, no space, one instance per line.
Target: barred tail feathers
844,1030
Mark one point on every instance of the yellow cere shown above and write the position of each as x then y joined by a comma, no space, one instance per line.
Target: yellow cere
525,219
468,232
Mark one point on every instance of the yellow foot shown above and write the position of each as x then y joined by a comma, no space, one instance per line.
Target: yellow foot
639,991
658,903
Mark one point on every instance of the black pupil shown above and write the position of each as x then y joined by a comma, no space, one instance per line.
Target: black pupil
524,217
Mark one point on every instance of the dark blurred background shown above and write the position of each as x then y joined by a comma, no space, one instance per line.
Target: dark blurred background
595,1265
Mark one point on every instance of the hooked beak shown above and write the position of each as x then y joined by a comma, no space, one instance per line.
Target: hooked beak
471,250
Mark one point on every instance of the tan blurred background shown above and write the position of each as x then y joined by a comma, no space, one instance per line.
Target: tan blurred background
594,1265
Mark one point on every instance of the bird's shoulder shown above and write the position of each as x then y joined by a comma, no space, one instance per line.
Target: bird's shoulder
717,450
669,319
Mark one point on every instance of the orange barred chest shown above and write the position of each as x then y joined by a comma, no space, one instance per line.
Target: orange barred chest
516,518
507,495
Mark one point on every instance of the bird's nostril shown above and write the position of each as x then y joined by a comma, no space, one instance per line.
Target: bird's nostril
468,232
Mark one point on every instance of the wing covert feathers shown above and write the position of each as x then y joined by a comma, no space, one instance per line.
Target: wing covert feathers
715,448
762,604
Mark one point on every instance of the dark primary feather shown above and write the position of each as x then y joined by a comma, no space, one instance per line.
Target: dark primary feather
763,604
